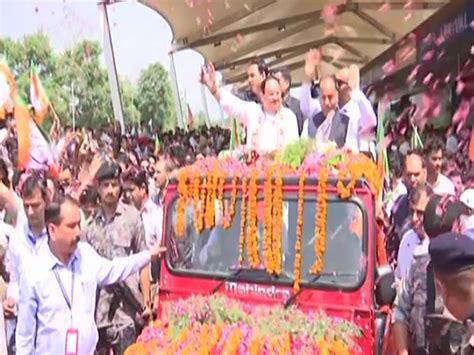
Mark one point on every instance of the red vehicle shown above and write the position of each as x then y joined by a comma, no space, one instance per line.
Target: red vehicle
208,262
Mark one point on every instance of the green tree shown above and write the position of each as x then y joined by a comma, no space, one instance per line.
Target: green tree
129,98
34,48
81,68
155,99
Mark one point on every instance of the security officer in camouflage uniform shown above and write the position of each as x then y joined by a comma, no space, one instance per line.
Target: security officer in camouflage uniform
117,231
452,259
453,264
416,296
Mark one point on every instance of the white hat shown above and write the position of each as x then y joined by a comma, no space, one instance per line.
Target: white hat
467,197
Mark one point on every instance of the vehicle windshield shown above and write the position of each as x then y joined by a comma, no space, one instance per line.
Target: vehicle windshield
215,253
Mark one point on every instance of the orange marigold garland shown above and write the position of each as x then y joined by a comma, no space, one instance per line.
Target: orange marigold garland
226,221
181,203
210,213
299,233
346,191
358,167
268,221
320,218
277,221
220,193
243,220
198,203
252,238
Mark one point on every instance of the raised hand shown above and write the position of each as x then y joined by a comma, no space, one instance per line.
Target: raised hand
354,77
208,77
312,60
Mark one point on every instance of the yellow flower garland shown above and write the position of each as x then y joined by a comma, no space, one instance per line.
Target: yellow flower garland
204,196
243,220
211,187
252,238
320,218
277,221
268,222
299,234
181,203
228,216
198,204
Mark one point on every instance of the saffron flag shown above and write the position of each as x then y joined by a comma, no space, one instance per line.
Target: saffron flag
38,97
7,90
34,150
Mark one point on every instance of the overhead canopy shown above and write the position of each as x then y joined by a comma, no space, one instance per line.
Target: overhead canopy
230,33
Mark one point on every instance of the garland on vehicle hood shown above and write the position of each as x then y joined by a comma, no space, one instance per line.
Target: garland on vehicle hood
202,186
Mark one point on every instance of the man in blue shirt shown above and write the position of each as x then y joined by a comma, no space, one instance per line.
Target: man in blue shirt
58,293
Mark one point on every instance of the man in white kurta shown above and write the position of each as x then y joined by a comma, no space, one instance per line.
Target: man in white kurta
270,126
266,132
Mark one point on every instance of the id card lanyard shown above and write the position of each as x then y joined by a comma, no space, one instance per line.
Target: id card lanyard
69,301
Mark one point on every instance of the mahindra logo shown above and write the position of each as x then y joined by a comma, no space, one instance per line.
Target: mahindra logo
256,290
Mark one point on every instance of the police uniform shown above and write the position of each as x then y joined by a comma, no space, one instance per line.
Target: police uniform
122,236
451,253
417,303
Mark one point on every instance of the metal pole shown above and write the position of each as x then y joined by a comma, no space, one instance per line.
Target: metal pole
175,88
111,65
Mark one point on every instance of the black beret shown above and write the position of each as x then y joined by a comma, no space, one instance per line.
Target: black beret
451,253
108,171
441,213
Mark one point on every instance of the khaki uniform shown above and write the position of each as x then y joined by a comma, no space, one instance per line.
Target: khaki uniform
124,235
410,304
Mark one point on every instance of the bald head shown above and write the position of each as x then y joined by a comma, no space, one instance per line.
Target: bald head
415,171
329,94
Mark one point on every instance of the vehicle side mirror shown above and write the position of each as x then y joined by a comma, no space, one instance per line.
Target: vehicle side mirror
385,291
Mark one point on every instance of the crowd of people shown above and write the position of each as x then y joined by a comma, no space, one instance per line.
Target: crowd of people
79,247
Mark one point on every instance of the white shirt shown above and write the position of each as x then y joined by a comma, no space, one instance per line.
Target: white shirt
393,195
409,243
443,186
6,231
43,313
361,111
266,132
311,107
22,249
152,216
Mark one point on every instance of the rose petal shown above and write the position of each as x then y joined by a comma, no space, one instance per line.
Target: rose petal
460,87
413,73
389,67
439,40
428,55
427,78
384,8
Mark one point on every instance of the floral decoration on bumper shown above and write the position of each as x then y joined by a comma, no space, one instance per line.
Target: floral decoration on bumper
219,325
